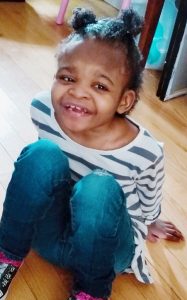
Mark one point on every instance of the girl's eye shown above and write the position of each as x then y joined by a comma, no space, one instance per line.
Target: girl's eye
65,78
101,87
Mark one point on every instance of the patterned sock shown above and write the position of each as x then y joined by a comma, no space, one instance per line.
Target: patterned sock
4,259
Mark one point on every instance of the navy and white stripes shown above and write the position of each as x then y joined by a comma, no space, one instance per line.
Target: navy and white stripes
138,167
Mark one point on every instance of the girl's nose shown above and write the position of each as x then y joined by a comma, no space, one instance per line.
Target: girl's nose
79,92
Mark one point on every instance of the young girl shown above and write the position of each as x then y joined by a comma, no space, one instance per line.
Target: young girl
88,193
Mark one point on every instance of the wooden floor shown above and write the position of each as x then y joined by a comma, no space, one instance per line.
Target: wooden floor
28,39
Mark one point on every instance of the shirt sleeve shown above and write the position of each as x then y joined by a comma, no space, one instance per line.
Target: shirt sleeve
149,190
33,114
40,110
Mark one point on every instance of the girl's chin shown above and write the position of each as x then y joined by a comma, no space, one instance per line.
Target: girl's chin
73,127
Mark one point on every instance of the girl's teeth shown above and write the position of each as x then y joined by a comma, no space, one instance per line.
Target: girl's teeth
77,108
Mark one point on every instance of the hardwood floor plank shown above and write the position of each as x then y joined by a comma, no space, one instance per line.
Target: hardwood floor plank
169,267
15,120
2,197
11,140
43,278
19,289
6,162
22,87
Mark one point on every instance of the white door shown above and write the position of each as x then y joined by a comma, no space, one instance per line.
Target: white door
178,81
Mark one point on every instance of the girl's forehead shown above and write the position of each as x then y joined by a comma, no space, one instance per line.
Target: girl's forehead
92,51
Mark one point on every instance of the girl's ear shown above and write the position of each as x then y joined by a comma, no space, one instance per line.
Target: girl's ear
127,102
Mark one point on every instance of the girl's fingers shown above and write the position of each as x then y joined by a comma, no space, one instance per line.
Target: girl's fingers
174,238
169,224
173,234
164,230
171,229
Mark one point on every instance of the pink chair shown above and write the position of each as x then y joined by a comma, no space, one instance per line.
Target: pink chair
125,4
62,11
64,4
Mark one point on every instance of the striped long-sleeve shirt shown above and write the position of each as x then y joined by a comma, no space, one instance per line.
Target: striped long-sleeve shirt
138,167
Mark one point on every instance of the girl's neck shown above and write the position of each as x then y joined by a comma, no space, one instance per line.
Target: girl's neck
120,134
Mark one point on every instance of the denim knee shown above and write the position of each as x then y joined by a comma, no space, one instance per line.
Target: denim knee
41,171
42,158
98,203
43,154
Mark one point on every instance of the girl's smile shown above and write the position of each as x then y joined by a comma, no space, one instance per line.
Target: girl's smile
74,109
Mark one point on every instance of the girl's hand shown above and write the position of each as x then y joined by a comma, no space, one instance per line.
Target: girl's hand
163,230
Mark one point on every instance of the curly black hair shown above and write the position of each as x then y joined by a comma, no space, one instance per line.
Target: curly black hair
121,31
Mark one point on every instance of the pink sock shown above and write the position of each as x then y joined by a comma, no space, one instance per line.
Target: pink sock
6,260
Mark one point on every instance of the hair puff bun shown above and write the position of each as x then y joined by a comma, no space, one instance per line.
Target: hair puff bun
133,23
81,18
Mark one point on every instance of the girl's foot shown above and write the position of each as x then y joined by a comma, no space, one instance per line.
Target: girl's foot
7,273
8,269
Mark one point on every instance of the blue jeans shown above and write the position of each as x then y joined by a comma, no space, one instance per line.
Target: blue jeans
83,226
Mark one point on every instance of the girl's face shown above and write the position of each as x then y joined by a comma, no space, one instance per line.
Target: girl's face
88,88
